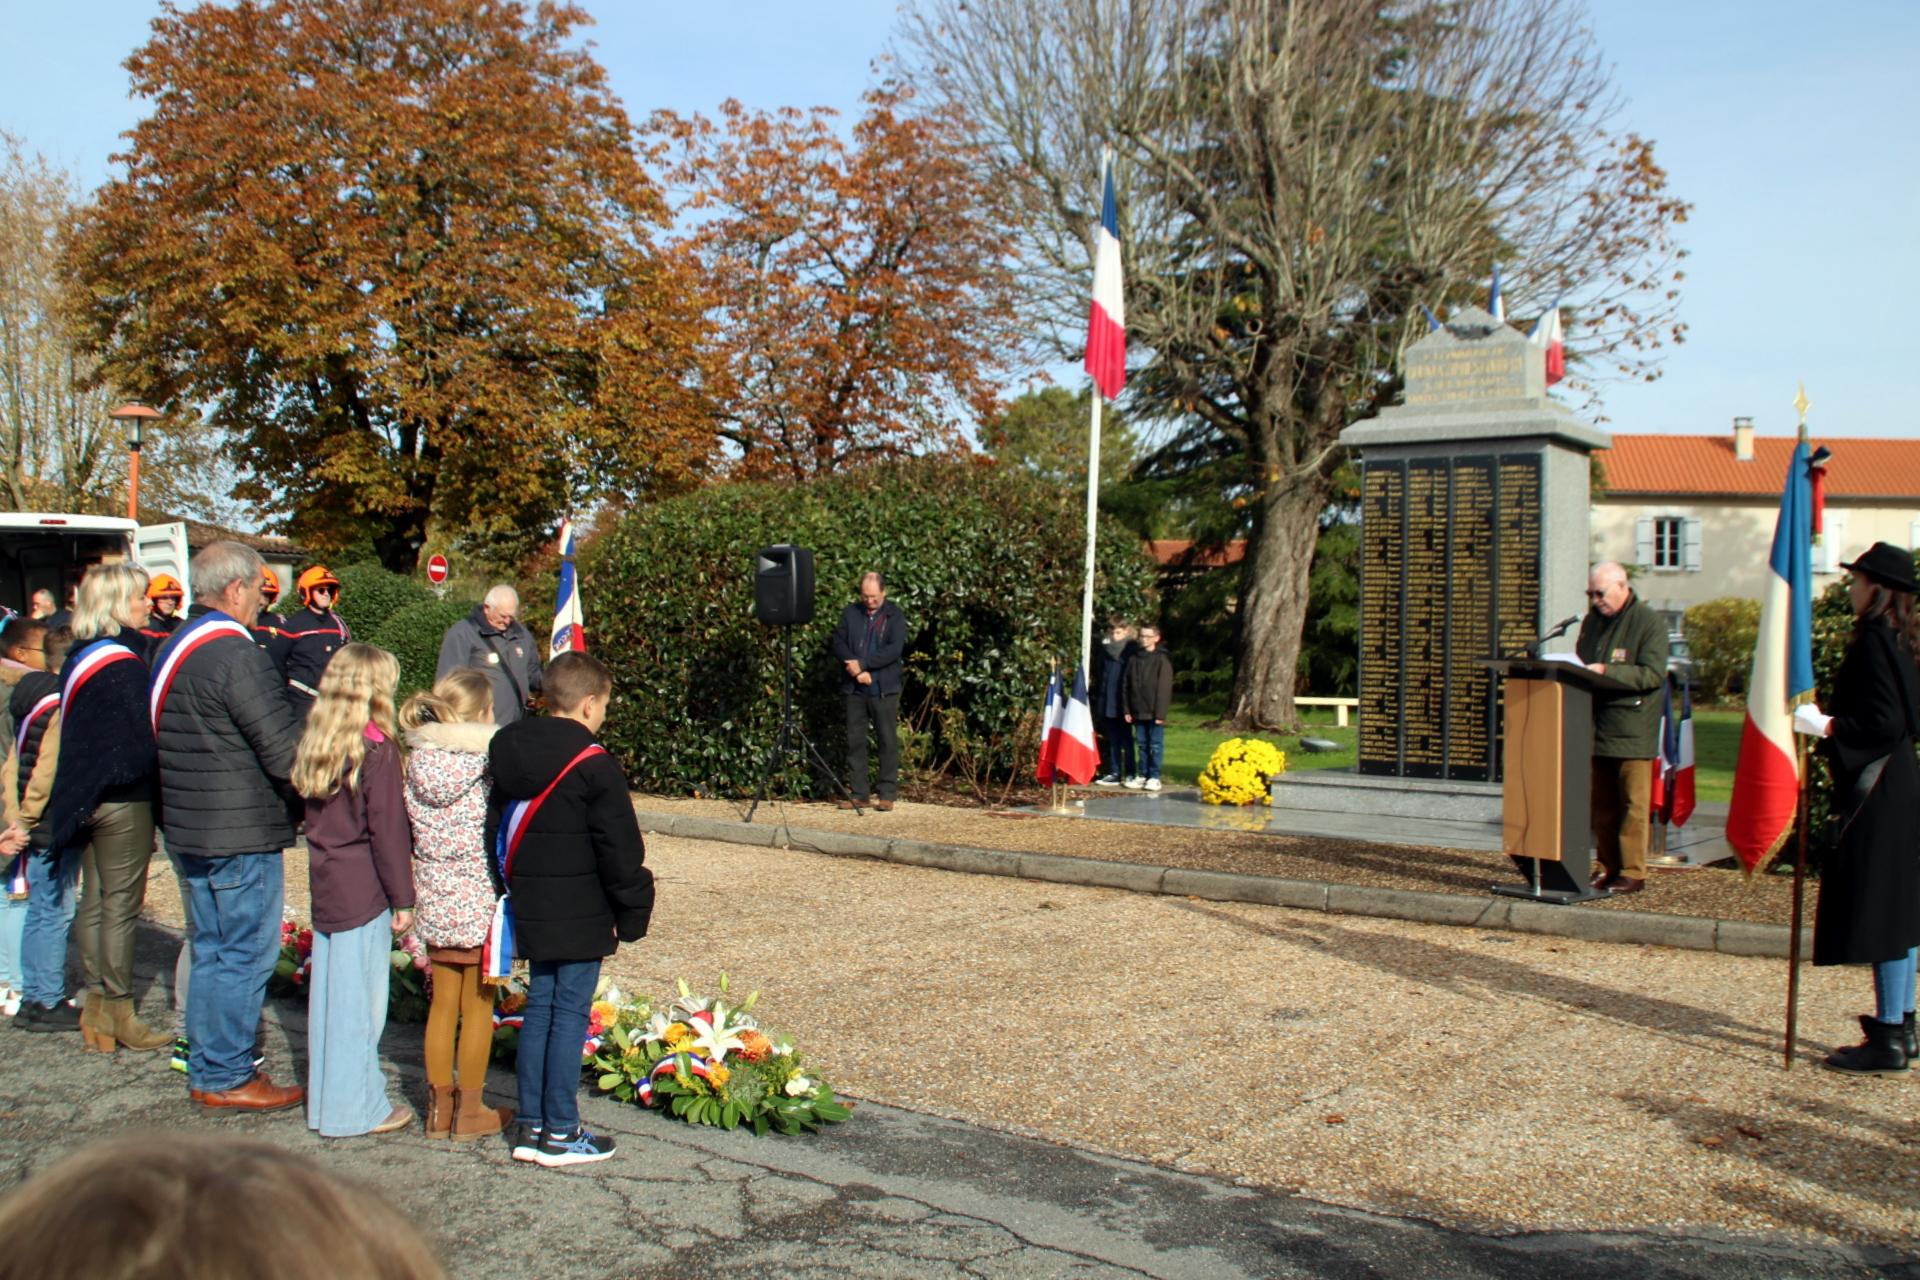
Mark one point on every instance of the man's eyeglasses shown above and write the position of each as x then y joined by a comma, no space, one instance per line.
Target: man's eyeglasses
1596,595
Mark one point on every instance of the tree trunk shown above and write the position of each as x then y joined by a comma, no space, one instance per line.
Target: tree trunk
1273,607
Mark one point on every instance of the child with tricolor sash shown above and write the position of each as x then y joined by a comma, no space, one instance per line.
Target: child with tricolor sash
360,873
568,857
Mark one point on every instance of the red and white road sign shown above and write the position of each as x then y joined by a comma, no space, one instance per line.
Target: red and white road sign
436,569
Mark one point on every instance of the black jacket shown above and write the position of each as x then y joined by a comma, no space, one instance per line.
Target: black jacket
882,660
1869,907
305,644
1149,690
580,875
226,743
28,729
106,737
1110,659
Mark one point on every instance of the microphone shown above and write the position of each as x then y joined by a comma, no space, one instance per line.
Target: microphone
1558,629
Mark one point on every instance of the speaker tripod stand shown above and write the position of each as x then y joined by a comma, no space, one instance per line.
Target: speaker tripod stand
789,730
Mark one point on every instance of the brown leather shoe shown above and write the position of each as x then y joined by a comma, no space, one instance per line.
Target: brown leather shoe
841,802
1600,882
1625,884
257,1094
884,806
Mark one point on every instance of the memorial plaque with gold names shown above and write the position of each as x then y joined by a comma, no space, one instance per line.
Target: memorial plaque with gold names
1450,576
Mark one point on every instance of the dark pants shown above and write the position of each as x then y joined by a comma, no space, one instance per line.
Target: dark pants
884,715
553,1028
1118,735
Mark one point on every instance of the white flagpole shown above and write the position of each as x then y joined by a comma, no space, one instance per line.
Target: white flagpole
1093,517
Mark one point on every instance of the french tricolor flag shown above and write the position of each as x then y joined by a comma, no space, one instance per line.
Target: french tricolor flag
1076,758
1766,780
569,629
1049,730
1547,333
1107,321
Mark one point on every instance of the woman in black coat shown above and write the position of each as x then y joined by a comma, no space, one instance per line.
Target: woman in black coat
1869,910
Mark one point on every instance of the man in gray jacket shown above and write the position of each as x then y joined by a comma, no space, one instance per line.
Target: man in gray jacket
1626,640
226,740
493,639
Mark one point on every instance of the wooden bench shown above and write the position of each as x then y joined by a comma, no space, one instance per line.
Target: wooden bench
1341,706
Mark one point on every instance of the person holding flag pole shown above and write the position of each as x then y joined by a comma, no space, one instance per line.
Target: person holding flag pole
1869,907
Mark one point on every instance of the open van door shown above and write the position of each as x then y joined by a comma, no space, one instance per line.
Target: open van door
162,548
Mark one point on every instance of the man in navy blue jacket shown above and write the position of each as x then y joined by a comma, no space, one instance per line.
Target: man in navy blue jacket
868,644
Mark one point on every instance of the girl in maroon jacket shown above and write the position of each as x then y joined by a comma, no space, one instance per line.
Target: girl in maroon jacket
360,870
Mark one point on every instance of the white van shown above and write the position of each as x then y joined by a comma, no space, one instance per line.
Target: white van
54,550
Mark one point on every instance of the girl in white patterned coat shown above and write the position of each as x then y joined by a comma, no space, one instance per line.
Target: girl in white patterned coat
448,730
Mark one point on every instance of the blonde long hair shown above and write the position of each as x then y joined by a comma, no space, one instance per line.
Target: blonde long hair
462,696
355,690
101,607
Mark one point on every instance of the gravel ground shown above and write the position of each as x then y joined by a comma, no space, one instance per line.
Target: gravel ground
1718,892
1496,1082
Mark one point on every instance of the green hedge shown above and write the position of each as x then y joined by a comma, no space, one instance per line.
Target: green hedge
413,636
369,595
985,563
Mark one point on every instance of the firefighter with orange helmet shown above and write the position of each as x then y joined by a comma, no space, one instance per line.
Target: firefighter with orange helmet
266,631
309,637
167,595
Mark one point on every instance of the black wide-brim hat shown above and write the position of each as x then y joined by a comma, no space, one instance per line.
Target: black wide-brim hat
1887,565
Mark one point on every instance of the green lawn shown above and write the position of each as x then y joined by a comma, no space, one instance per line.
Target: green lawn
1716,743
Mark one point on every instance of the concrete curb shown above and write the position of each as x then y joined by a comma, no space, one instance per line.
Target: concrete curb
1638,928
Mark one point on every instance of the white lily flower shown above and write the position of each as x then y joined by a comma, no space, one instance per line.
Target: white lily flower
714,1042
656,1028
799,1086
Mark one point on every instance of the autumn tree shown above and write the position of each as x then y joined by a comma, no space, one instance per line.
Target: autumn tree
62,452
1296,178
860,284
403,252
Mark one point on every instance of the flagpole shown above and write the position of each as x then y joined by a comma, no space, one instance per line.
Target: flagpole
1801,403
1093,518
1799,900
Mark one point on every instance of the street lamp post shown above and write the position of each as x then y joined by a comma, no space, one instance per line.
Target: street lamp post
135,416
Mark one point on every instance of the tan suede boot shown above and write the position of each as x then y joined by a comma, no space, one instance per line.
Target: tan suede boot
130,1031
96,1030
439,1110
474,1119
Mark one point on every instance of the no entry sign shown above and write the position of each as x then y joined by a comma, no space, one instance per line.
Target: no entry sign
436,569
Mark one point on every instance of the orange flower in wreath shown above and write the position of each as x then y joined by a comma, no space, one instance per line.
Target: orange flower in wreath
754,1047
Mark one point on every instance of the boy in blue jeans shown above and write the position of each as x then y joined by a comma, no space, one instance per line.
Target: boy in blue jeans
562,836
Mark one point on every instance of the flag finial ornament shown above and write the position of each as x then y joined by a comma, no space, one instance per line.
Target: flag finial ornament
1801,404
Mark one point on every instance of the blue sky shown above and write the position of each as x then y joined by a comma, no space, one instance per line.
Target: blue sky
1783,122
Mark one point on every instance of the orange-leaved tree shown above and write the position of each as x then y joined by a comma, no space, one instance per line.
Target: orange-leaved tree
404,252
861,288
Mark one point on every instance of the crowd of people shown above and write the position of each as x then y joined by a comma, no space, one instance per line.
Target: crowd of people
222,732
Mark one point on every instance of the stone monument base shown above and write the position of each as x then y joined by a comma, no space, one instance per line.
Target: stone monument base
1355,806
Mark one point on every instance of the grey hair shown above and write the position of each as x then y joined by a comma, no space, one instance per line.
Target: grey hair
101,609
221,564
500,593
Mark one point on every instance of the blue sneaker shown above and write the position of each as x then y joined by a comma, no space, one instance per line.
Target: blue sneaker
526,1143
559,1150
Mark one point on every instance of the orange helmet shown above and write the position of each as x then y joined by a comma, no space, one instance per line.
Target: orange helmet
269,583
165,585
318,576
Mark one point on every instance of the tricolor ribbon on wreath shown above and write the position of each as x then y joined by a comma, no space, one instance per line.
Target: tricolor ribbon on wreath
497,955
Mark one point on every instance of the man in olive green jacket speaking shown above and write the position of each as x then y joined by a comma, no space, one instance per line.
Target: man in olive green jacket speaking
1626,641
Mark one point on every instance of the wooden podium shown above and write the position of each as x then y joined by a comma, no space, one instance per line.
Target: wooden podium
1546,794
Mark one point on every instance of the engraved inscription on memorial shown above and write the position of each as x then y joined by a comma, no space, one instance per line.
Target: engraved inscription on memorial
1383,506
1451,561
1444,374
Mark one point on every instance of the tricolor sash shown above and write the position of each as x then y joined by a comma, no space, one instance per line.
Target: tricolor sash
40,708
90,662
185,643
496,956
